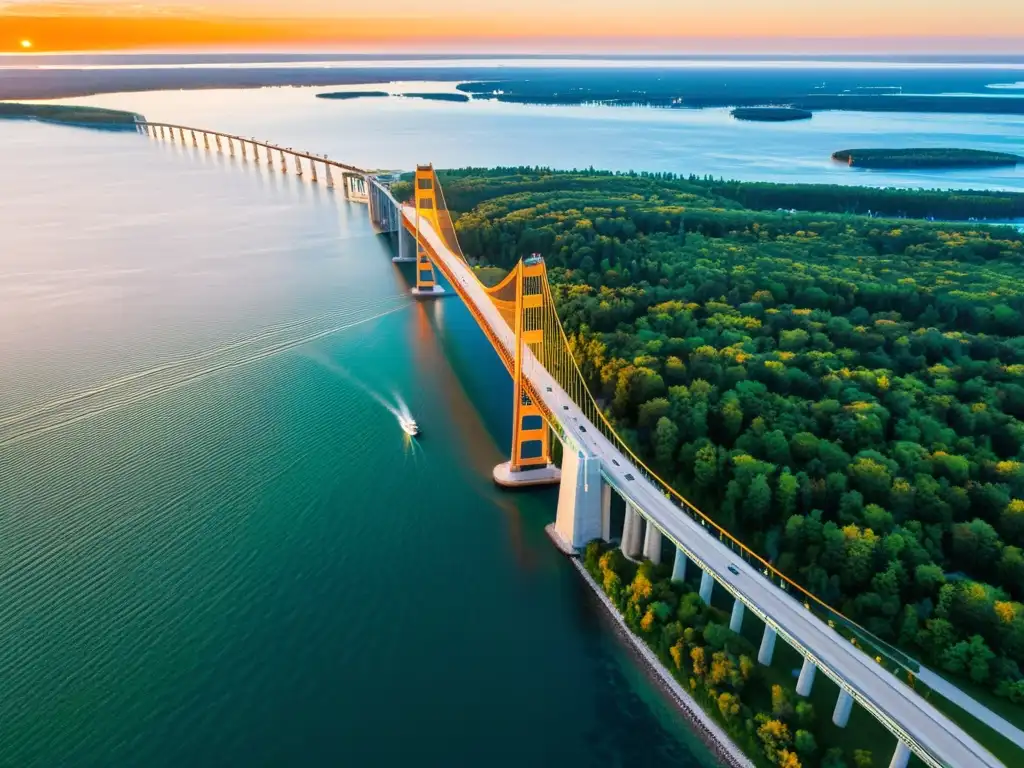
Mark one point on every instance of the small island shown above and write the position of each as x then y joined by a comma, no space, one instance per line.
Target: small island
934,158
88,117
771,114
346,95
460,97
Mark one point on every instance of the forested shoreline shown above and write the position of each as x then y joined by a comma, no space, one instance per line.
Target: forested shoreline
845,393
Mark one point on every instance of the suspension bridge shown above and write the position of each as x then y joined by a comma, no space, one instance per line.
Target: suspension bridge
551,401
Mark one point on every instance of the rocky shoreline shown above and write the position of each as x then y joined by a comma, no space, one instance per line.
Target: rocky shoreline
709,731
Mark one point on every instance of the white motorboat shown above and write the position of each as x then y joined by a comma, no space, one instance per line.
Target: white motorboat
409,426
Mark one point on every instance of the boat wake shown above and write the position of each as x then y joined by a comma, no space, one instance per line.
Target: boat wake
162,379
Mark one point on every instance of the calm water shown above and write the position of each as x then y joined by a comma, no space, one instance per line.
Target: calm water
398,133
217,547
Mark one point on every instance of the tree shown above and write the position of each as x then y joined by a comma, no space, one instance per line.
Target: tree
782,708
759,500
700,664
705,466
805,744
976,545
834,758
774,736
805,714
862,758
786,493
666,438
969,656
729,705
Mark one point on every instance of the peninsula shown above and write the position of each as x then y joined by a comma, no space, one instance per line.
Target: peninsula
90,117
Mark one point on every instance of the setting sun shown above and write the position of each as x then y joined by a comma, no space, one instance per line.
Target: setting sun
26,43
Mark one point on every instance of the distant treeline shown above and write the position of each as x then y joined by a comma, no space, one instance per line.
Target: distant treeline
953,205
617,90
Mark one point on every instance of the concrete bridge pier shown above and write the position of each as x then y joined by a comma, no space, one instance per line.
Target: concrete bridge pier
329,176
206,140
231,147
216,140
406,246
767,649
679,566
284,163
736,619
195,141
844,704
182,132
578,520
632,532
707,584
312,171
806,679
606,512
652,543
901,756
298,165
162,134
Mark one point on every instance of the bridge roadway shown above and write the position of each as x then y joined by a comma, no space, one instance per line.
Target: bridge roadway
930,734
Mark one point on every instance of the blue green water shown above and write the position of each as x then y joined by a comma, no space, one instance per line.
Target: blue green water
217,547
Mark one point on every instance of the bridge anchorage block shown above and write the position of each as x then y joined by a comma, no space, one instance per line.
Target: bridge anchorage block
427,292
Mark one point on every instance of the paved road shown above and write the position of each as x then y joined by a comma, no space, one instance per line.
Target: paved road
933,736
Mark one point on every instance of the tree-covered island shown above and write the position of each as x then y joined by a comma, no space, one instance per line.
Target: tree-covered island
896,159
771,114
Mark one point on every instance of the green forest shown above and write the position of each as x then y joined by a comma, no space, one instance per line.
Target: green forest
844,393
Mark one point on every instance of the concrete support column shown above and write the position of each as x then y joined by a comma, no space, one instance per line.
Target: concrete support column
652,543
901,756
298,165
679,566
606,501
806,680
231,147
578,519
707,583
767,650
631,532
736,620
312,169
329,175
284,162
844,704
216,140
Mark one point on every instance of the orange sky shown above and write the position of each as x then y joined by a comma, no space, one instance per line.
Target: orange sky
597,25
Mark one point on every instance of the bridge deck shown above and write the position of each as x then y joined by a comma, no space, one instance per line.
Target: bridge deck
932,735
257,143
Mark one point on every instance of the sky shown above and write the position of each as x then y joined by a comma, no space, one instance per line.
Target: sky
594,26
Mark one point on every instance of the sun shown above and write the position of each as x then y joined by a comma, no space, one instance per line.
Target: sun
26,44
